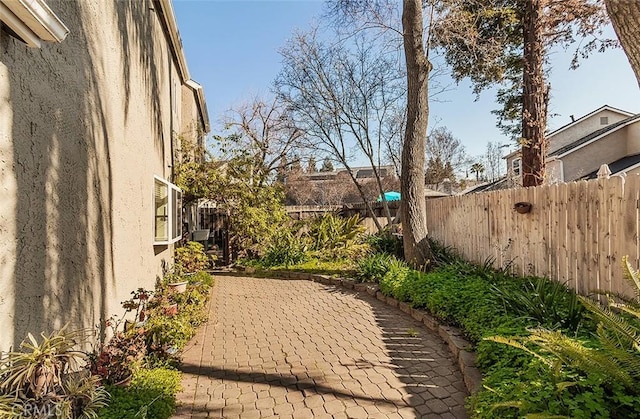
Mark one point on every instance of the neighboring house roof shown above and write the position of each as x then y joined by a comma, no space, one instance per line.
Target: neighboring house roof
577,121
486,187
594,136
430,193
618,166
365,172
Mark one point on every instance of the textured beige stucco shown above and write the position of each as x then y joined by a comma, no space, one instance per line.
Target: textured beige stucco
590,157
633,138
84,127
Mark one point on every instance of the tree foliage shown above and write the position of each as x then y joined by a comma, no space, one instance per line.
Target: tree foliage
445,154
327,165
507,42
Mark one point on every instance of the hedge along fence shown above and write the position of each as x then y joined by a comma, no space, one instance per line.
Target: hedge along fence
576,232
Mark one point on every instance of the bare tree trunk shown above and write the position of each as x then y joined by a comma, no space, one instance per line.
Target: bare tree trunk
383,199
625,16
534,97
413,206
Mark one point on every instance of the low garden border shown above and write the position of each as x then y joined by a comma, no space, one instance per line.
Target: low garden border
452,336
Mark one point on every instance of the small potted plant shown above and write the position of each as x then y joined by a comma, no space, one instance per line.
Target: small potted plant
178,287
175,282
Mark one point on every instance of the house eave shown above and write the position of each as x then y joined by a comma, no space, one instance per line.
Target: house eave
33,21
169,20
202,104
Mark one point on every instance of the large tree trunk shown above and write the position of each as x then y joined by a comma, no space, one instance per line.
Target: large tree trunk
534,98
625,16
413,207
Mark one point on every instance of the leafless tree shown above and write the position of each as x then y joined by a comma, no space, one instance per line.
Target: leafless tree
416,41
493,160
448,151
341,96
264,131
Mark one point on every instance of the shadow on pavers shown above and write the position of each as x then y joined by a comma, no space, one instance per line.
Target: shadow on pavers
288,381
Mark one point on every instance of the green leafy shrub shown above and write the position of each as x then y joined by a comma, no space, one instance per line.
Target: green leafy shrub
201,277
385,242
285,248
549,303
393,282
151,395
191,258
373,268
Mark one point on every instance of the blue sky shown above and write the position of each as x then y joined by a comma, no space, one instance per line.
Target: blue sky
232,50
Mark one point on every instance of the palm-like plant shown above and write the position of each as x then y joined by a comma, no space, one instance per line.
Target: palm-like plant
331,232
478,169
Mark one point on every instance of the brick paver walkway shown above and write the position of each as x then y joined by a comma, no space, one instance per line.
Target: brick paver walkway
288,348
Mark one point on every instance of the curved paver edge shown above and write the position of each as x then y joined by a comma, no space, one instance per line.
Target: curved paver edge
452,336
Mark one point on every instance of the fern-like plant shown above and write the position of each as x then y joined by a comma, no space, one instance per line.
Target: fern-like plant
613,356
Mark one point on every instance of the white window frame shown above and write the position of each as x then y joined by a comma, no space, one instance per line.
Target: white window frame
172,228
516,166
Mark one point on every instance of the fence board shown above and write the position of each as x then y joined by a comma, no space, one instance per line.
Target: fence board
576,232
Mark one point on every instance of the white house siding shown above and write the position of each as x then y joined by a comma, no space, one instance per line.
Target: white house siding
84,127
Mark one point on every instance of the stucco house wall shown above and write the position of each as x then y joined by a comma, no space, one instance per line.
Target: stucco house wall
582,161
633,138
84,127
587,125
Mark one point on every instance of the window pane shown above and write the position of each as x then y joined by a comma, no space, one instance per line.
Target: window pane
161,211
176,216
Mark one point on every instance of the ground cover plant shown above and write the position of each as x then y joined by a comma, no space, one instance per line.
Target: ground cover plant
550,366
138,364
151,394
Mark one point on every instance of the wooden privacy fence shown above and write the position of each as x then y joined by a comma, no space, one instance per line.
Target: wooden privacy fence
576,233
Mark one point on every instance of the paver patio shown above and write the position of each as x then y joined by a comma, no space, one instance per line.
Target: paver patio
293,348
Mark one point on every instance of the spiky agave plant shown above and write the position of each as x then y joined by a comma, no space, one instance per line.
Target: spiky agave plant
42,373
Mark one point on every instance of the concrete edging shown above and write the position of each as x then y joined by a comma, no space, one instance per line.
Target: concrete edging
460,348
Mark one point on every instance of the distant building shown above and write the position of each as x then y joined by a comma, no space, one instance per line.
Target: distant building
575,151
337,187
